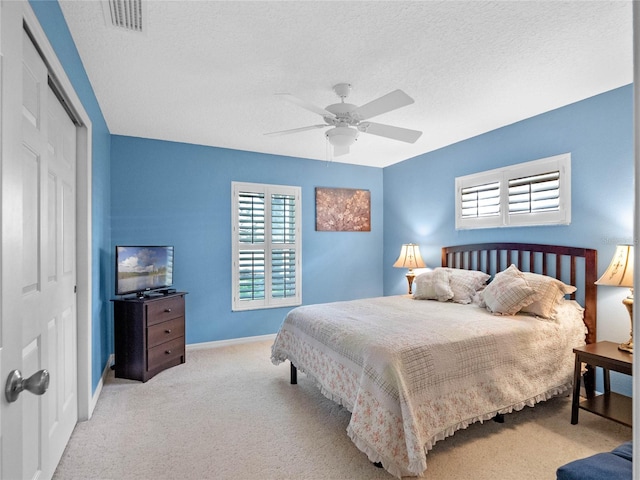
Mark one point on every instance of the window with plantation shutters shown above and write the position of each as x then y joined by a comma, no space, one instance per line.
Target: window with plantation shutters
266,246
531,193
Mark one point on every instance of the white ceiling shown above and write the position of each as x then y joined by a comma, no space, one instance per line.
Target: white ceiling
206,72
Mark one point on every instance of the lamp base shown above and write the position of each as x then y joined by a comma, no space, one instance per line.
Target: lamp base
628,346
410,277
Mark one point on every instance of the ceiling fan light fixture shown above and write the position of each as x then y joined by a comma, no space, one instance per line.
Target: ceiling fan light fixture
348,120
342,136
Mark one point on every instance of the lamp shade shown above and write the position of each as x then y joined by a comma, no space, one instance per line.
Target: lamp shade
619,273
409,257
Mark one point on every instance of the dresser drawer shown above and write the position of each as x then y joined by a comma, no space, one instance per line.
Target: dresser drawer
165,331
165,352
162,310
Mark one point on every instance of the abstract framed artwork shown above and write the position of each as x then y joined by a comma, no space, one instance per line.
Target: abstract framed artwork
343,210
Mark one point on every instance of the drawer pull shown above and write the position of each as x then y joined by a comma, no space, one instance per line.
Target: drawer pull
167,352
168,310
167,331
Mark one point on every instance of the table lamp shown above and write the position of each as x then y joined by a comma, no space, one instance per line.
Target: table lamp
410,258
619,273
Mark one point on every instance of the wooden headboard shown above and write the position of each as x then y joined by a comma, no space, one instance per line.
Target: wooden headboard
573,265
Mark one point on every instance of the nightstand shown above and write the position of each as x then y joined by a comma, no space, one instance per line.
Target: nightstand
609,404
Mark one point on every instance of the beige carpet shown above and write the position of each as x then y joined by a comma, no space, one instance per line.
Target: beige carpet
228,413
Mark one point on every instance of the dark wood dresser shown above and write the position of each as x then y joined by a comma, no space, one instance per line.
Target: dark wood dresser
149,335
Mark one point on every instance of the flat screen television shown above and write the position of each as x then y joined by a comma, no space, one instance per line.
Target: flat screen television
142,269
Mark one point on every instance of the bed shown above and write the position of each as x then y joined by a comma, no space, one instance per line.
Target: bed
412,372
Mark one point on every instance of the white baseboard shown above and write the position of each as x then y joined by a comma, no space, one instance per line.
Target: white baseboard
232,341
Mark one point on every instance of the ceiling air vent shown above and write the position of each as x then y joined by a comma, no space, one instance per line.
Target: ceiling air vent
127,15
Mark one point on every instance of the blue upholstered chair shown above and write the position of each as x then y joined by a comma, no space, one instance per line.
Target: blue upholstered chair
614,465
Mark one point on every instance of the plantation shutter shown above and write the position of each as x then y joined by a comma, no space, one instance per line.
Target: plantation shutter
481,200
266,246
283,236
251,237
535,194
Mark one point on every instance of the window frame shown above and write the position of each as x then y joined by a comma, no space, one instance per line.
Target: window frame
268,246
561,216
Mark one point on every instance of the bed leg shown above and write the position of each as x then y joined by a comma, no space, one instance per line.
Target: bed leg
294,374
499,418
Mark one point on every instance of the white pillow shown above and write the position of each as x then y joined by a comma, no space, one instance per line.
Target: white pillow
433,285
551,292
465,283
508,292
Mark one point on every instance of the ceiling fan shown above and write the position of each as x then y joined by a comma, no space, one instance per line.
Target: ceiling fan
349,120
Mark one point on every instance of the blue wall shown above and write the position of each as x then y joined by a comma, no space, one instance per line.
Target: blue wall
598,132
53,23
180,194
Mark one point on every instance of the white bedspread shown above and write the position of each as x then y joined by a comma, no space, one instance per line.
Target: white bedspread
412,372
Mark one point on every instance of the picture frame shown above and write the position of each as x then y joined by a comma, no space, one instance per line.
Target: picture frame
343,210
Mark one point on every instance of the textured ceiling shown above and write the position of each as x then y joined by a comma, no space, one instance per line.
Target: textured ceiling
206,72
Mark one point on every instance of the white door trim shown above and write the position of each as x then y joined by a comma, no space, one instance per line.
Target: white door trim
84,257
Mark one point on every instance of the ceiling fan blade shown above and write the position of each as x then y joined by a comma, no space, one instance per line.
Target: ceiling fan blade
296,130
337,151
384,104
304,104
389,131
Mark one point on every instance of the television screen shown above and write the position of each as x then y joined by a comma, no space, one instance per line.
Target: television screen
143,268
